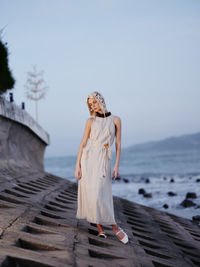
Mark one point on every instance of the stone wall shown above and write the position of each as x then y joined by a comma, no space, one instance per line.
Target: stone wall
22,140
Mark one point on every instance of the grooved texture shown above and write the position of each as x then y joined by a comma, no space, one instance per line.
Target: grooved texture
38,227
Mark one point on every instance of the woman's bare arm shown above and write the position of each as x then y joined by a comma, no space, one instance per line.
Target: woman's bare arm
117,122
83,143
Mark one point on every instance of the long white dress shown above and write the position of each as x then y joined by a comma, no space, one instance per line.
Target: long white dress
95,200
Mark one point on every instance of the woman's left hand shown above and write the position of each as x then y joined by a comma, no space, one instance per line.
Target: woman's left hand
115,172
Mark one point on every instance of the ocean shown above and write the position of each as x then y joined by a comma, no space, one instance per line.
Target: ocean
157,172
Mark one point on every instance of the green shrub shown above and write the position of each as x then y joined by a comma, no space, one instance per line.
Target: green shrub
6,79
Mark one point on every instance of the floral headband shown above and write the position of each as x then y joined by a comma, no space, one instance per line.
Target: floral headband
100,100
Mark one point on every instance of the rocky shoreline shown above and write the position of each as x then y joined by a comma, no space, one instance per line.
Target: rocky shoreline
178,195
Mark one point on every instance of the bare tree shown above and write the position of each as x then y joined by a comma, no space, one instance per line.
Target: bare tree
35,89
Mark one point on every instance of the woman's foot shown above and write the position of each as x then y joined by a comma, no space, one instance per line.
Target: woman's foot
121,235
101,231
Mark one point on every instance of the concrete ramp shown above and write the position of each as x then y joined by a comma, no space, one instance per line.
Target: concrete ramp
38,228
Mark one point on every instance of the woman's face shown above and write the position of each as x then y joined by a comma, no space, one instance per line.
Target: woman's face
94,105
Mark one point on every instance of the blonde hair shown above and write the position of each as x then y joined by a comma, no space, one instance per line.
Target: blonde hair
92,112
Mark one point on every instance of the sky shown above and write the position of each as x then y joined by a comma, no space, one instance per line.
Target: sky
142,55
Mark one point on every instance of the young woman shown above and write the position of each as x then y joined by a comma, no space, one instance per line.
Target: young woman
93,167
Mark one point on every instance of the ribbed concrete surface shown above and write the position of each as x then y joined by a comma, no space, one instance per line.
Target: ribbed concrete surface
38,228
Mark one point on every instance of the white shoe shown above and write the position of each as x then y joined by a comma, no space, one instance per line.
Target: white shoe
125,238
102,234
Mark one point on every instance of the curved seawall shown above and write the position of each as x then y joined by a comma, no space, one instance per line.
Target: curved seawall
22,140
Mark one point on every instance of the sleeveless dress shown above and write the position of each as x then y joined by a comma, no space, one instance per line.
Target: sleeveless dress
95,201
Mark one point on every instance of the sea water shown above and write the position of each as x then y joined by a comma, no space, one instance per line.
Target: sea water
175,171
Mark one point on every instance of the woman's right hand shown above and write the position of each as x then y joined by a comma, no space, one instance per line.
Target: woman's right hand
78,173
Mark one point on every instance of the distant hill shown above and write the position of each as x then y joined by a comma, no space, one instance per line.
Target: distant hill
183,142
